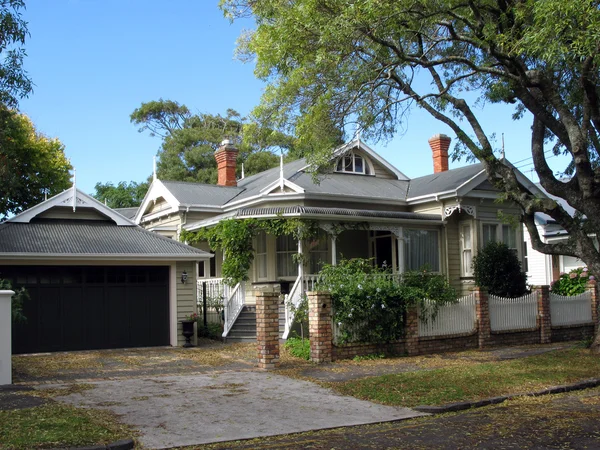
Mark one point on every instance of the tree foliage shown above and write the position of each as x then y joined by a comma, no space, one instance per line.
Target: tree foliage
190,140
14,81
368,61
123,195
498,269
32,166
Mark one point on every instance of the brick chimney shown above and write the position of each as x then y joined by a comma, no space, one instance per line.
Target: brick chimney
226,156
439,146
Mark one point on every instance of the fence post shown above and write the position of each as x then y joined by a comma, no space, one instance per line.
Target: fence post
267,329
592,286
412,331
5,337
204,304
483,317
319,326
544,318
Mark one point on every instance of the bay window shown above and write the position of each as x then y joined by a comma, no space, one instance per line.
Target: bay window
286,248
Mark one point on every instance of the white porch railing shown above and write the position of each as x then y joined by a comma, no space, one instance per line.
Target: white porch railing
293,298
571,310
233,306
457,318
215,288
513,313
309,282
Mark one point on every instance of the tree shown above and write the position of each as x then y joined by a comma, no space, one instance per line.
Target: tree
368,61
190,140
14,82
123,195
32,166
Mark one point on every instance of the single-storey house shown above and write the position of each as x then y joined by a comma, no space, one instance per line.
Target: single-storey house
365,207
543,269
96,279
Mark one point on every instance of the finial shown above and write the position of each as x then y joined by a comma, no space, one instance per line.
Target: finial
242,171
281,184
503,154
74,189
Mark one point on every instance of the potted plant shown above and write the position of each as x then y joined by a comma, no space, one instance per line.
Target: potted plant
188,328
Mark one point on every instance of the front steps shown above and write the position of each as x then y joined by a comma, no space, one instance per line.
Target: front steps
244,328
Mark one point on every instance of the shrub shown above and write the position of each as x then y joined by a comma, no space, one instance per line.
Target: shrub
572,283
300,348
370,306
211,331
498,269
20,296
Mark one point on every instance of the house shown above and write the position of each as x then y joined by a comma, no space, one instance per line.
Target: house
543,269
365,208
96,279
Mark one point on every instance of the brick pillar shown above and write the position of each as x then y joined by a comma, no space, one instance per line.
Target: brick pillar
483,317
319,326
412,331
267,329
544,319
593,288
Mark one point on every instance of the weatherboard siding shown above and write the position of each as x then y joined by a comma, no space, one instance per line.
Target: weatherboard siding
186,295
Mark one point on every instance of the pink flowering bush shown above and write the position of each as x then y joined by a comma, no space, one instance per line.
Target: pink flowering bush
572,283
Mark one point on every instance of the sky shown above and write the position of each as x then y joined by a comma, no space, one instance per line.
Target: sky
94,61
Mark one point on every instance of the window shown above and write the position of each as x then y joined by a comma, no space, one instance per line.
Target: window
500,233
353,163
466,249
261,256
421,247
318,250
287,247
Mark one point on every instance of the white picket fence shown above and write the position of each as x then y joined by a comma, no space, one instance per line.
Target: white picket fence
513,313
571,310
457,318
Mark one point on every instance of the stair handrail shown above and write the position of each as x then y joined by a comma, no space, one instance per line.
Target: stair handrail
293,298
233,306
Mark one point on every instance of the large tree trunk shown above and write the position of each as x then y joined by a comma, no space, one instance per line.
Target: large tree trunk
595,348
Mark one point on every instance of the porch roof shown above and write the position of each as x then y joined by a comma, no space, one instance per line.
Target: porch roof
313,212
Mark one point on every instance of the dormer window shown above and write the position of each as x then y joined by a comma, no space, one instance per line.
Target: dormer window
353,163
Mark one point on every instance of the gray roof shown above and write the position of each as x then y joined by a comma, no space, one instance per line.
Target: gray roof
127,212
188,193
442,181
545,219
314,211
83,237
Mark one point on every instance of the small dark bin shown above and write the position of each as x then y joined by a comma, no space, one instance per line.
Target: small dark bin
285,287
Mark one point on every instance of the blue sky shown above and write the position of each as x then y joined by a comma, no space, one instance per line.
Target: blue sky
94,61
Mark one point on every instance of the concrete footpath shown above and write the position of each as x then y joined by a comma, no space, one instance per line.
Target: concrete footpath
172,411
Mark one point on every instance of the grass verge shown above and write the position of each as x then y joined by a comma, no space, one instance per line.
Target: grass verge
58,425
475,381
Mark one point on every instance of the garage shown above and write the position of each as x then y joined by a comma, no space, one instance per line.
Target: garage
95,279
94,307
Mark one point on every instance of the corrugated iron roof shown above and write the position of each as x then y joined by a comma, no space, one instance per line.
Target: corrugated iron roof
442,181
80,237
188,193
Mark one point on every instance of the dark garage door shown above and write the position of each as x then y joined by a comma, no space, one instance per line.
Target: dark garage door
91,307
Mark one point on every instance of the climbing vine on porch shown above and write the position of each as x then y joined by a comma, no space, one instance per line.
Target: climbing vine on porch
235,238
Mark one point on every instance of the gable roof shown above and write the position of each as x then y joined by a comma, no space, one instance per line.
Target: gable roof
127,212
441,182
71,198
85,239
73,225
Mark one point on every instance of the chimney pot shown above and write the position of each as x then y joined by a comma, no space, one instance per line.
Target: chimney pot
226,156
439,144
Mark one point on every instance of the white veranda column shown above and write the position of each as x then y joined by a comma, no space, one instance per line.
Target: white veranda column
333,250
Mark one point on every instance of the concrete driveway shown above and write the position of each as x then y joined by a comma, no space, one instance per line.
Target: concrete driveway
229,405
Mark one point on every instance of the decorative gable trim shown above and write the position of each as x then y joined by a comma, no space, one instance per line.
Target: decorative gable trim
75,198
279,187
372,154
157,190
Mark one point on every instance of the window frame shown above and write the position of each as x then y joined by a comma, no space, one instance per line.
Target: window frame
405,240
466,271
341,166
261,254
289,252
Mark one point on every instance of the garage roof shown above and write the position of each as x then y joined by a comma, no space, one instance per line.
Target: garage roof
85,229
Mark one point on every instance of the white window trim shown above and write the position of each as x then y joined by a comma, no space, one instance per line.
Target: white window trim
466,271
256,259
439,248
277,252
353,155
500,237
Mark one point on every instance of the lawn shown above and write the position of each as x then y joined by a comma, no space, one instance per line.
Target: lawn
475,381
57,425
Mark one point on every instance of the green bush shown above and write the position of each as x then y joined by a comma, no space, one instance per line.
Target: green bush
572,283
498,269
211,331
21,295
370,305
300,348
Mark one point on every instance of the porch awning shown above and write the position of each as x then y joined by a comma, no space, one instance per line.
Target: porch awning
314,212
